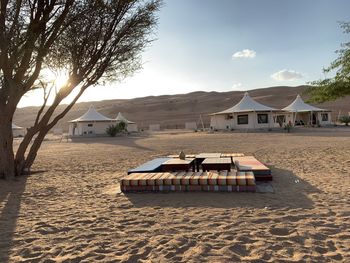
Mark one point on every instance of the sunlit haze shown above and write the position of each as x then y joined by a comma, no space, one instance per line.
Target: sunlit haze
231,45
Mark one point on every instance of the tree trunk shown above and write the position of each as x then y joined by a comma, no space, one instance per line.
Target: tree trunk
34,149
20,154
7,170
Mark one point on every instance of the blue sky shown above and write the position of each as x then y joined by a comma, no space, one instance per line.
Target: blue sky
225,45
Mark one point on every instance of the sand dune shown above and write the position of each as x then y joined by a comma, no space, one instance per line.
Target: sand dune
172,111
72,211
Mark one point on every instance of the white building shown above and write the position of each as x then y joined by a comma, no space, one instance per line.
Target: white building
305,114
131,126
17,131
154,127
91,123
246,114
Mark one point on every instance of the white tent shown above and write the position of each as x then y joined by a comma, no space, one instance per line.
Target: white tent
90,123
17,131
303,113
246,114
131,126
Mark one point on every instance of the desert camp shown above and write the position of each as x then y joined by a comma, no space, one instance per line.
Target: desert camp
174,131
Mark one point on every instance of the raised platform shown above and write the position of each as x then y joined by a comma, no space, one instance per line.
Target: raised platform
189,181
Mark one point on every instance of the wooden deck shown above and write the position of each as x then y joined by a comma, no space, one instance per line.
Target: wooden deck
189,181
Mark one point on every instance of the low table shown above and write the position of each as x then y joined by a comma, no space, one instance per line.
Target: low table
200,158
177,164
216,164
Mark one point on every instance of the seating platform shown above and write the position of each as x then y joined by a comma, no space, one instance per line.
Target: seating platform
189,181
154,165
251,164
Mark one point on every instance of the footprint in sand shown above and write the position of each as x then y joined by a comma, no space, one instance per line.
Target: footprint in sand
279,231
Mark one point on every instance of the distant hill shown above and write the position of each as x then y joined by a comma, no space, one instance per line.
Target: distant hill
172,111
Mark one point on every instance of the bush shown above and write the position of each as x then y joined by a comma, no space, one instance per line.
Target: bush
288,126
113,130
345,119
122,125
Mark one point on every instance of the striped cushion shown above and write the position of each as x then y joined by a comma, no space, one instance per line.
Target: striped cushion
177,178
131,188
222,178
232,178
241,178
203,179
195,178
168,179
249,176
193,188
185,180
144,177
212,178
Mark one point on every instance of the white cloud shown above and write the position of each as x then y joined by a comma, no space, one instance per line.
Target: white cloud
237,86
245,53
285,74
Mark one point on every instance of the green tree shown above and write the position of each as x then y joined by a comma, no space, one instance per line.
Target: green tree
93,41
113,130
345,119
339,85
122,125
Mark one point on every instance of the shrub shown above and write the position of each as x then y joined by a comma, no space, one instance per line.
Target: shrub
113,130
122,125
288,126
345,119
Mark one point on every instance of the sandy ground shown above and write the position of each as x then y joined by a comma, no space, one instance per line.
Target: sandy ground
71,210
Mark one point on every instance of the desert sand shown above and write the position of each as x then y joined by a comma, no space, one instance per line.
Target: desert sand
71,209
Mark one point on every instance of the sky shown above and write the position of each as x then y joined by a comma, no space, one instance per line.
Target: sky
231,45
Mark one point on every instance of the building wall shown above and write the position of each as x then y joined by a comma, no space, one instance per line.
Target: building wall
132,127
154,127
322,123
230,121
83,128
305,117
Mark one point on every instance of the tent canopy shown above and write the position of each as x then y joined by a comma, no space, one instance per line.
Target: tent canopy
298,105
120,117
92,115
247,104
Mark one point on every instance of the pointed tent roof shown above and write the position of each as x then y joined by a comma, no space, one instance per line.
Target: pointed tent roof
247,104
120,117
298,105
15,127
92,115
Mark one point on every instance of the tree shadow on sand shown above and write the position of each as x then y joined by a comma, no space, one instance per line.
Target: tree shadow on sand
11,193
290,192
127,141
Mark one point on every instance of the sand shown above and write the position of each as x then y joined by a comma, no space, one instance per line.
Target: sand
72,210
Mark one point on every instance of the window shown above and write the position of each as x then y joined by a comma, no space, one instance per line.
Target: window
279,119
242,119
263,118
324,116
228,117
90,125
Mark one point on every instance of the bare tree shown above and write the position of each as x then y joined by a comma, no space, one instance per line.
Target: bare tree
93,41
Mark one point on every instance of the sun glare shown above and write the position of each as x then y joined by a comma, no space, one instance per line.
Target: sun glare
56,78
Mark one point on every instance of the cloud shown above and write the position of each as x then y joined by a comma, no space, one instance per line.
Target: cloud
245,53
286,75
237,86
